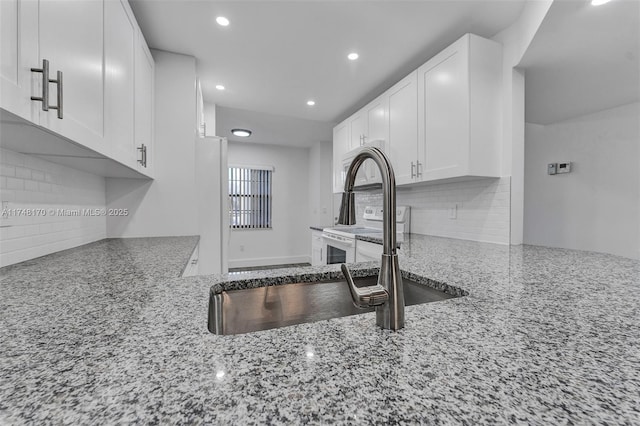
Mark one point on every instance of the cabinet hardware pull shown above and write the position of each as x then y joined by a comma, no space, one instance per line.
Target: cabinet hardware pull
418,167
143,155
413,174
58,82
45,85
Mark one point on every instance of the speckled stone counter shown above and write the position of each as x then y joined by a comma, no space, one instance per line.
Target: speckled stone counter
108,333
318,227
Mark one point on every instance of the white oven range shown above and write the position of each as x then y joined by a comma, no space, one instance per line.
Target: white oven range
340,241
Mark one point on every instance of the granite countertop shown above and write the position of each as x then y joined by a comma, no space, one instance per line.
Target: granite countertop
109,333
319,228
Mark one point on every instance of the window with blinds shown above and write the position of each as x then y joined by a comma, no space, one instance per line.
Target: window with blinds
249,198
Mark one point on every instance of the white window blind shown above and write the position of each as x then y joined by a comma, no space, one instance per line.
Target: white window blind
249,198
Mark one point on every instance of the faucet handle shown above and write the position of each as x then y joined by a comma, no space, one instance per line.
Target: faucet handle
365,297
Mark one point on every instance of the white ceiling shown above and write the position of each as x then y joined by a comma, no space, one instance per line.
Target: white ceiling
275,55
272,129
583,59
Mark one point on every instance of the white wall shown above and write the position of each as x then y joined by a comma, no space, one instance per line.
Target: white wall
321,184
46,189
166,206
210,119
289,239
596,206
515,40
482,212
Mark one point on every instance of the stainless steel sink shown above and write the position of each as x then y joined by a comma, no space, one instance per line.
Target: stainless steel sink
244,311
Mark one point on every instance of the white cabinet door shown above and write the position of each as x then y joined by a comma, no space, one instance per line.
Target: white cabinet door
377,119
144,89
368,252
119,54
403,128
357,126
18,54
340,147
317,255
377,130
192,268
459,113
444,114
71,38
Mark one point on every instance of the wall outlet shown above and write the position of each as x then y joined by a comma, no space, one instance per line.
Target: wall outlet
241,248
453,212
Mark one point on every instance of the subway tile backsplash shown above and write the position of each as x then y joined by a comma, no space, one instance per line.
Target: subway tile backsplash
46,207
482,208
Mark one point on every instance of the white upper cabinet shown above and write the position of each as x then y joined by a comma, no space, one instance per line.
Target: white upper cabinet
119,74
403,128
341,145
357,129
144,103
377,119
18,54
86,54
367,126
442,121
459,98
71,39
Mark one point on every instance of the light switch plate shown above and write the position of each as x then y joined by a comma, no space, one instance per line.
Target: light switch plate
552,168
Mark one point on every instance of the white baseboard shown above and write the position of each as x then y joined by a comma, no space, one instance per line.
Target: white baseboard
267,261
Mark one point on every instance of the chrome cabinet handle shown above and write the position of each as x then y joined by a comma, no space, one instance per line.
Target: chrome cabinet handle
413,174
418,167
45,85
58,82
143,155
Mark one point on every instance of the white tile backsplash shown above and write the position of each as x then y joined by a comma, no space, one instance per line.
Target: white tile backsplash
482,212
46,190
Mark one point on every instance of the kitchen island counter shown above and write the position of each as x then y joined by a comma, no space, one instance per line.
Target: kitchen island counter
109,333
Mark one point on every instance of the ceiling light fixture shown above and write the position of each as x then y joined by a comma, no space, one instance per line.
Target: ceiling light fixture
243,133
599,2
353,56
311,103
221,20
219,87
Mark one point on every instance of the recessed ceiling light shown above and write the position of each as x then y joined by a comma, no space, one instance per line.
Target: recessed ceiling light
243,133
219,87
311,103
352,56
221,20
